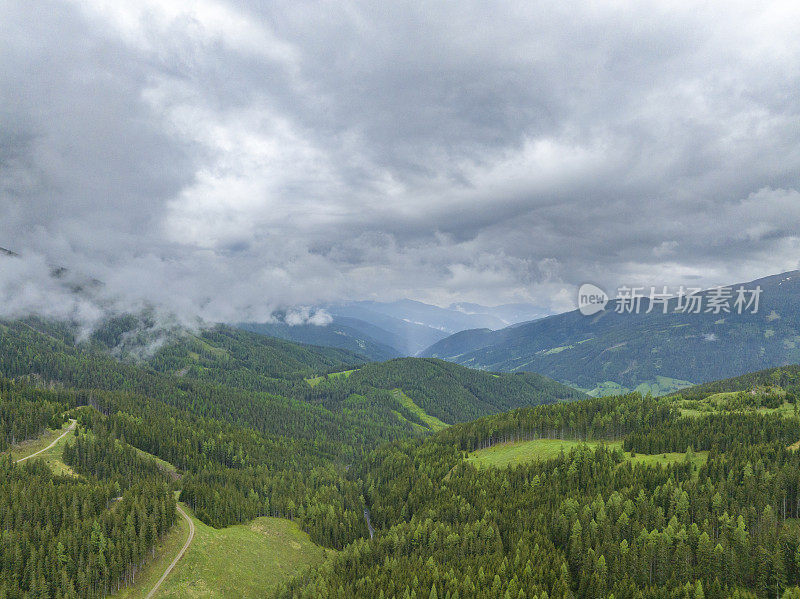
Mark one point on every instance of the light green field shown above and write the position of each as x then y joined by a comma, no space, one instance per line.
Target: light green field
663,385
554,350
606,388
786,410
510,454
725,401
432,422
316,380
248,560
700,458
52,457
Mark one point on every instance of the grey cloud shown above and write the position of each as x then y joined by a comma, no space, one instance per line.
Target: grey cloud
230,159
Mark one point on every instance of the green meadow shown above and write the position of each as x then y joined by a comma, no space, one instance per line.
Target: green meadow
246,560
510,454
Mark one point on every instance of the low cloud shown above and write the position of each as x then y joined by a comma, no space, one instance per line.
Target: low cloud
226,161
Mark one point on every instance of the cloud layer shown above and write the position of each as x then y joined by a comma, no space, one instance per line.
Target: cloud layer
226,160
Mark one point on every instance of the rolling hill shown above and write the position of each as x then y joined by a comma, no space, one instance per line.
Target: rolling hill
783,378
449,392
657,352
523,497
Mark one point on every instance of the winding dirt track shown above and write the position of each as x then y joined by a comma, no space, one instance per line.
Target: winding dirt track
61,436
151,594
153,591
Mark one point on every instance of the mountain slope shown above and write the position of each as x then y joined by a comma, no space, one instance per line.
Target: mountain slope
416,325
619,496
450,392
336,334
784,378
632,350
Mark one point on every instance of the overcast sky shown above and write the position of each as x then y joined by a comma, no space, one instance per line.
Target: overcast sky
227,158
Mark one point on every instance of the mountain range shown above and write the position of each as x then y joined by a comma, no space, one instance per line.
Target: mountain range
383,330
611,352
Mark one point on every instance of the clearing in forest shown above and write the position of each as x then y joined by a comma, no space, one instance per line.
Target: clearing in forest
518,452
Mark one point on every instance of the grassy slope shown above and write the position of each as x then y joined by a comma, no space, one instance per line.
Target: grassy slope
316,380
248,560
453,393
510,454
239,561
433,422
52,456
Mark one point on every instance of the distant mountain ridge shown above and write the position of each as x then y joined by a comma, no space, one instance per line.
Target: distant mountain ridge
336,334
411,326
611,353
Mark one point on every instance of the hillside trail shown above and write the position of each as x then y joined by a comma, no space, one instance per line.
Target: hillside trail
178,557
73,424
184,515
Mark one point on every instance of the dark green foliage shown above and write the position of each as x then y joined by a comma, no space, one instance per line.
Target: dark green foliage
587,524
335,334
102,456
248,360
784,377
25,413
722,432
68,538
450,392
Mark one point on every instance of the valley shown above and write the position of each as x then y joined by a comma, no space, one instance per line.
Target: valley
399,300
209,440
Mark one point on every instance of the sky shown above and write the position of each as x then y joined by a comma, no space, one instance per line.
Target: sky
228,159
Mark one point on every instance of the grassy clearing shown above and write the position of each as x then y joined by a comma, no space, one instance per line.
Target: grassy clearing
662,385
432,422
606,388
316,380
248,560
26,448
510,454
52,457
729,402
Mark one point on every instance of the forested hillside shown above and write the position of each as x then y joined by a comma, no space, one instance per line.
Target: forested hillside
255,426
695,495
649,351
336,334
781,378
596,521
453,393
